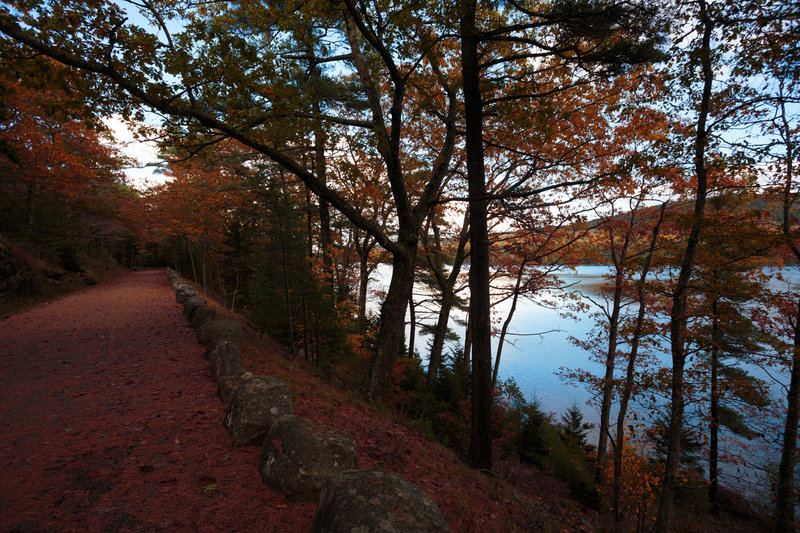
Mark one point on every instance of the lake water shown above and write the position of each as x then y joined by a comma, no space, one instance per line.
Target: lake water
538,346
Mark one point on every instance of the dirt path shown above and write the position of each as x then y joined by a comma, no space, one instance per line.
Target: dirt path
109,422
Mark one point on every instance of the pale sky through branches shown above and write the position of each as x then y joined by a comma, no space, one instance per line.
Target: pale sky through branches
143,153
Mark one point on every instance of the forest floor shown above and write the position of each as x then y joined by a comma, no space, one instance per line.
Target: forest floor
111,423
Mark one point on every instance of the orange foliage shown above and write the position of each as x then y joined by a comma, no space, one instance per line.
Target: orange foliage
60,158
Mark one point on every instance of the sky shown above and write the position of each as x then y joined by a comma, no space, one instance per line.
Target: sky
143,153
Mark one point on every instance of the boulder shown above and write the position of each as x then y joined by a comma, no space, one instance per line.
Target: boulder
191,304
255,405
202,315
226,385
299,455
183,293
214,331
226,358
375,500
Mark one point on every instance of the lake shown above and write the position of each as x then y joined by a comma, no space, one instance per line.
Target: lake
537,344
538,347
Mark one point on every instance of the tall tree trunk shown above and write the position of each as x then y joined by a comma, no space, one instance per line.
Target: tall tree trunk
507,322
404,251
363,283
191,259
468,340
627,388
480,448
393,319
412,330
608,377
320,168
678,316
203,263
448,297
785,492
307,333
713,450
439,334
309,231
785,499
287,291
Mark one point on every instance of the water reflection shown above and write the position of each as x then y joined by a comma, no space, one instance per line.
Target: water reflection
538,344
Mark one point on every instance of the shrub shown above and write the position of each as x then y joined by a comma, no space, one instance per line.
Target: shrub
540,442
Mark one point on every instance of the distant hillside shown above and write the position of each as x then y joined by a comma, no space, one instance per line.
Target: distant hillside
766,209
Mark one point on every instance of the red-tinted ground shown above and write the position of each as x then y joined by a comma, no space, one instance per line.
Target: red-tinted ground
109,421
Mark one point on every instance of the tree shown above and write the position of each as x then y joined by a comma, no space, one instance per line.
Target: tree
635,342
228,74
435,259
771,50
62,184
521,44
574,428
727,100
678,315
633,178
726,330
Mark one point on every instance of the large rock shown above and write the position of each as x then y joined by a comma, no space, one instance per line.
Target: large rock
227,385
299,455
202,315
256,404
184,292
375,501
225,358
214,331
191,304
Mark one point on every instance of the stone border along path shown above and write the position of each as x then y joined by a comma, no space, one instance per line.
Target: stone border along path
109,422
300,457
